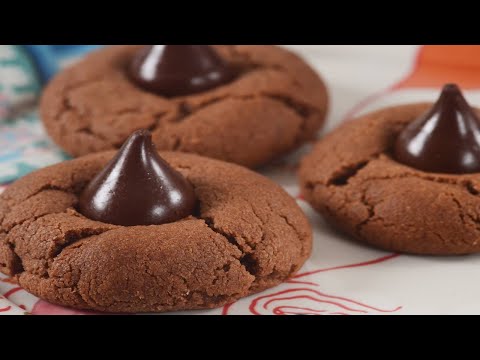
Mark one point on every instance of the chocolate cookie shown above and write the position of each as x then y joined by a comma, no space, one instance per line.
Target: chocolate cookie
354,181
246,235
271,103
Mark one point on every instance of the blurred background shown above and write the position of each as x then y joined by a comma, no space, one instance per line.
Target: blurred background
359,78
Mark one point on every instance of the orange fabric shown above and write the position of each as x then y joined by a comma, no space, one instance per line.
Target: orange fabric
440,64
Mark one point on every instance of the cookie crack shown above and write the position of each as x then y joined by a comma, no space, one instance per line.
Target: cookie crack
467,185
246,260
342,176
45,187
157,118
74,236
70,237
299,234
304,111
464,217
289,224
252,245
440,237
66,101
7,230
345,174
371,213
17,267
185,110
20,223
87,128
3,214
208,299
461,215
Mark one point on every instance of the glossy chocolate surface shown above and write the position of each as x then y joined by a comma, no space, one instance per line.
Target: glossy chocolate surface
137,187
444,140
178,70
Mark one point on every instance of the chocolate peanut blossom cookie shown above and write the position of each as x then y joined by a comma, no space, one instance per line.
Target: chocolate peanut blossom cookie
138,233
243,104
406,178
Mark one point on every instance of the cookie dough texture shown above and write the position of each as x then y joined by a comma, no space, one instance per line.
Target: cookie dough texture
353,181
276,103
248,235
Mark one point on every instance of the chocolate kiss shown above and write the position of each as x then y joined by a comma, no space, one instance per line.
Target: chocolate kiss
137,187
177,70
445,140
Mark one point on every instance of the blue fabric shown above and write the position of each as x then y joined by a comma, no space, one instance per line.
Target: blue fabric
48,58
24,69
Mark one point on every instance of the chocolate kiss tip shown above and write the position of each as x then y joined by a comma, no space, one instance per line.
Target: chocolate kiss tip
179,70
450,90
137,187
445,139
451,87
142,133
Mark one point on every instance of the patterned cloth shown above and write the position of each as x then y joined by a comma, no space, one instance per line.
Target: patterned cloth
51,58
23,70
19,80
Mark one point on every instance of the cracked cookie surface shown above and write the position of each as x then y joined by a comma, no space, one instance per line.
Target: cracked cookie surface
275,104
247,235
352,180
